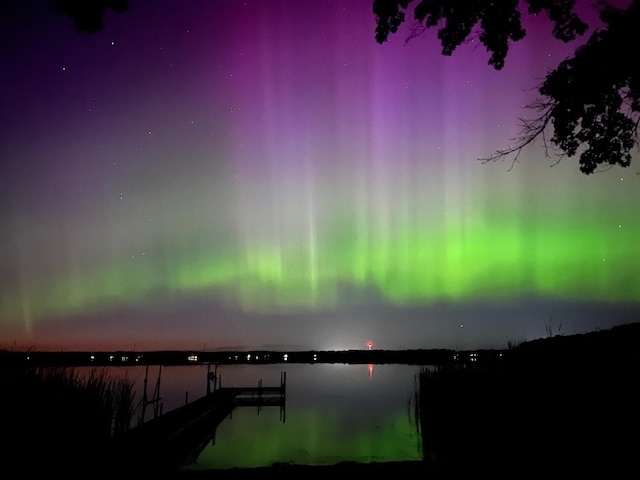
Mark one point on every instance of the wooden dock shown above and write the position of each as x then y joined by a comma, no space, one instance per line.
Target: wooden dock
177,437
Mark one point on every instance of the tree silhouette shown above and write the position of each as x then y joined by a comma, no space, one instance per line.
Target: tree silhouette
590,101
88,15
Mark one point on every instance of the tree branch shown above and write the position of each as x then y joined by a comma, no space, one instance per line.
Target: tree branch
531,130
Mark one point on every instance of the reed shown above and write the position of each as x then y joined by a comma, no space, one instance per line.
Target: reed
566,403
62,419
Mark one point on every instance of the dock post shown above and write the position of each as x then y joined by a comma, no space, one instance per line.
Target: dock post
283,382
144,395
212,376
283,396
156,395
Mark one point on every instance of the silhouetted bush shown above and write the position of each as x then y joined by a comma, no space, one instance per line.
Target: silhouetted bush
564,403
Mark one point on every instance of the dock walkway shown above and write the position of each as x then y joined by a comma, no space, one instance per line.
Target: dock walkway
175,438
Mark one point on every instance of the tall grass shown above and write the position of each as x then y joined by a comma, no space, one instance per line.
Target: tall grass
570,406
61,419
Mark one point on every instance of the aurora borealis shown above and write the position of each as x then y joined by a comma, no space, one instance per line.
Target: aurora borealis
263,173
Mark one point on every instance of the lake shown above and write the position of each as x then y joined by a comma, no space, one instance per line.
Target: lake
333,412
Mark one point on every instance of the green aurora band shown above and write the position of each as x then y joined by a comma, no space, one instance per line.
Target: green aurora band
497,259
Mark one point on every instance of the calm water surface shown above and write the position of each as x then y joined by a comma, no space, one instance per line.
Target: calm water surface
333,413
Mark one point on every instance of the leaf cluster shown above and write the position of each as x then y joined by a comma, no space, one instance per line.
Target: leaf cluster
88,15
590,100
594,103
499,22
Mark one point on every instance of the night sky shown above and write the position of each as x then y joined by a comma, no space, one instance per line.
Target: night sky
263,174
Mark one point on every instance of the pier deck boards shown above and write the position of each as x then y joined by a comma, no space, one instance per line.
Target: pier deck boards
174,438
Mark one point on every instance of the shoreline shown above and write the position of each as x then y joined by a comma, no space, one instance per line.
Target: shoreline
285,470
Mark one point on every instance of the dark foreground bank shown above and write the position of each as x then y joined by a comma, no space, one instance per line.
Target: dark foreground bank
559,405
407,469
563,405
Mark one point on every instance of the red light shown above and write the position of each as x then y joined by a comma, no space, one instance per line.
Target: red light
370,345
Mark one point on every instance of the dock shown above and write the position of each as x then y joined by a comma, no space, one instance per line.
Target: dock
176,438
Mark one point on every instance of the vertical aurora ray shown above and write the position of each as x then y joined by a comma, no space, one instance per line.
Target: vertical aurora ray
285,163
